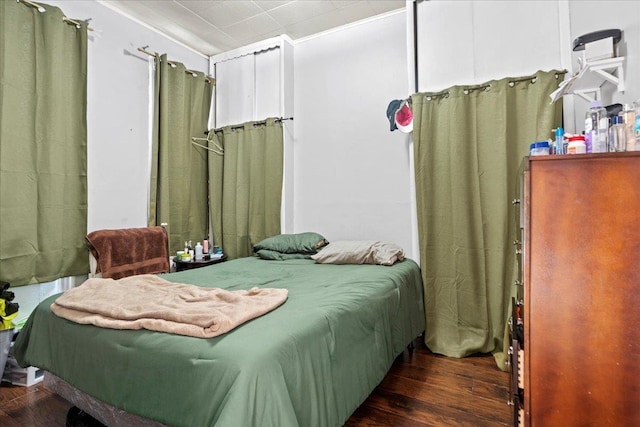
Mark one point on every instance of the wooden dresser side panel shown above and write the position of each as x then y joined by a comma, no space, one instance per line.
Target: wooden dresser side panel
526,264
584,292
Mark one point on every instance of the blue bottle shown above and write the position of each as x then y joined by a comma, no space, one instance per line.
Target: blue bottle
559,141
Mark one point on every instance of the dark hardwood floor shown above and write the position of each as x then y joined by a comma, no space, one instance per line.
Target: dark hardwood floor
425,389
421,389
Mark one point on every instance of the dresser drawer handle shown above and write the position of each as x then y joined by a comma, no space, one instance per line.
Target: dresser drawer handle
515,201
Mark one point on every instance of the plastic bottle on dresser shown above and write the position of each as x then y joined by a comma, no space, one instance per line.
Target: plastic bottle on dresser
629,120
198,251
540,148
191,250
559,147
596,127
617,141
186,256
637,126
576,145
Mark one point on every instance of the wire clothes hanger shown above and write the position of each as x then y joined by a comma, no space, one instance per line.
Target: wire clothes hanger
218,149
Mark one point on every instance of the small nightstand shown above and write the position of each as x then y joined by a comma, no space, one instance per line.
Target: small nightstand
188,265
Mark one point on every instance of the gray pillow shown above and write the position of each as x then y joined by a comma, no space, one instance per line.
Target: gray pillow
360,252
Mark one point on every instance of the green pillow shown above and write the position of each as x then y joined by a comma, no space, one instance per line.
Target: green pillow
301,243
279,256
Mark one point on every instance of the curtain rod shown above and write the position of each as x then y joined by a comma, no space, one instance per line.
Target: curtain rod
264,122
42,9
208,79
532,78
468,89
144,50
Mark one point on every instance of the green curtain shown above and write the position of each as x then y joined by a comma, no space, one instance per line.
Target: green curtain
469,143
178,189
43,145
245,188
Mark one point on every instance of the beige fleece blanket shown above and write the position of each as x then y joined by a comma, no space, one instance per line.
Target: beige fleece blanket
149,302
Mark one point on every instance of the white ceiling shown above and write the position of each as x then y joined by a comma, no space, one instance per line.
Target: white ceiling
215,26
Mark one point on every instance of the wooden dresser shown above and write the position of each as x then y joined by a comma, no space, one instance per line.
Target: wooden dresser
580,259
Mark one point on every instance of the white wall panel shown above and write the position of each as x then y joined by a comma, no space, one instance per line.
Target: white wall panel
248,87
288,110
235,91
445,47
470,42
505,44
268,91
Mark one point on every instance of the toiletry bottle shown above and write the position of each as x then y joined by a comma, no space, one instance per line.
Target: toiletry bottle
629,120
198,251
559,148
191,251
576,145
596,126
637,126
617,141
205,246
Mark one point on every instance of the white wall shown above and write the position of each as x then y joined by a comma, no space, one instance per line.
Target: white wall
117,124
471,42
248,88
352,179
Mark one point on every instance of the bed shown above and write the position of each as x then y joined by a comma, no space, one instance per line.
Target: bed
310,362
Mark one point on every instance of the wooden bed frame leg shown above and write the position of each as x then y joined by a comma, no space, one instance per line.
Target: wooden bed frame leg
412,345
76,417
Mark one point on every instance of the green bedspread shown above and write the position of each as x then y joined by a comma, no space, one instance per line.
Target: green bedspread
310,362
